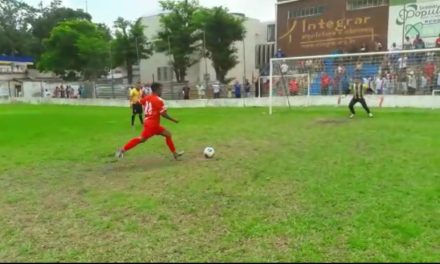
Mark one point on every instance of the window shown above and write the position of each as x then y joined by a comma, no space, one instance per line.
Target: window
263,54
362,4
306,12
164,74
271,33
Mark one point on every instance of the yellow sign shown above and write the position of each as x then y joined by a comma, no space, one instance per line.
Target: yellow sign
327,33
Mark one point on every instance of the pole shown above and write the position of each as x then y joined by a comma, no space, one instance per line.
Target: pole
171,67
404,24
87,7
270,86
137,51
206,63
244,62
111,70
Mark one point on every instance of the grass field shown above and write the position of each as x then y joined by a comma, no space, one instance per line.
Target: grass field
301,185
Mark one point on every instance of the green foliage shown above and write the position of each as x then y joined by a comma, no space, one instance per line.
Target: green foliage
177,37
222,30
130,45
16,19
76,45
50,17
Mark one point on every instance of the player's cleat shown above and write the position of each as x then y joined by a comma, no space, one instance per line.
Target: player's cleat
351,116
370,115
178,154
119,154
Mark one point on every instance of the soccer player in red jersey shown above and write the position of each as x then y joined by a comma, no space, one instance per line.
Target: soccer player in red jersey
154,108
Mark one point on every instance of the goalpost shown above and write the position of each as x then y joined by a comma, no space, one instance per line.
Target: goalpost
399,72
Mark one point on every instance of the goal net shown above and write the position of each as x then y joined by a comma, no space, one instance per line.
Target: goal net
398,72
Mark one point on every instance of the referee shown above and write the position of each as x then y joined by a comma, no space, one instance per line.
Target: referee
358,97
136,106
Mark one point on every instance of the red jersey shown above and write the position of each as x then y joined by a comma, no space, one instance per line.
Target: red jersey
325,80
429,69
154,107
293,86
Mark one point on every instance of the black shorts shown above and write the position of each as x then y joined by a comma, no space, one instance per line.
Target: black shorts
137,109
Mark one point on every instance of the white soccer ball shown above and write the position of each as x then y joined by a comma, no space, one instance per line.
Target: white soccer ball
209,152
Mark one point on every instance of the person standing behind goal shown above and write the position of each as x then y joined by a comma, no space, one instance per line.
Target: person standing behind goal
358,97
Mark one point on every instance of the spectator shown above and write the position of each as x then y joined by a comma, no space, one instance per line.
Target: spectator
68,91
186,91
257,87
201,90
412,83
438,81
345,84
423,83
80,91
325,83
403,82
237,89
378,46
56,92
379,84
429,72
216,89
364,47
403,62
280,54
62,92
418,43
394,56
247,88
407,45
437,42
46,93
293,87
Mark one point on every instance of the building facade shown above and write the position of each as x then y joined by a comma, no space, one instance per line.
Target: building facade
253,54
314,27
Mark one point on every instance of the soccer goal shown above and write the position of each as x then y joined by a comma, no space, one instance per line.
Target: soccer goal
407,72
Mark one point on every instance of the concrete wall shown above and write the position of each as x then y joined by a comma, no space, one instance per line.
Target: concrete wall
299,101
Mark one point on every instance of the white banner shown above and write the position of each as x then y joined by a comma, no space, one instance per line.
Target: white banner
416,18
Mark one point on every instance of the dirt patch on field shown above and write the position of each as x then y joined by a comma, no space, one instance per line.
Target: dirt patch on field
329,121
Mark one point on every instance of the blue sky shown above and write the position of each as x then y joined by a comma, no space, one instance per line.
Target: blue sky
106,11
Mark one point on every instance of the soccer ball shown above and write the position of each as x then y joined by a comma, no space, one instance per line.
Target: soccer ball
209,152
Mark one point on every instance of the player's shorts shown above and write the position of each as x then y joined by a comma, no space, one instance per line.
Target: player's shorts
137,109
150,131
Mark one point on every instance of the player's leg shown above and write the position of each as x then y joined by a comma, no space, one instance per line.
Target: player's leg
351,107
139,111
145,135
133,114
169,140
365,106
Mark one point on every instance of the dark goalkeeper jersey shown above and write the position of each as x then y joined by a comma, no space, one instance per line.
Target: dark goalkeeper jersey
358,91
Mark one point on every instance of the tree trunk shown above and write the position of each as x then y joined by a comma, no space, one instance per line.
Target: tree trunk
130,73
220,75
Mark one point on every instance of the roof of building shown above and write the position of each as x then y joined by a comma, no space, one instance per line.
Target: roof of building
16,59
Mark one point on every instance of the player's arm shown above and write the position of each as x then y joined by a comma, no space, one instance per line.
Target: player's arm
165,115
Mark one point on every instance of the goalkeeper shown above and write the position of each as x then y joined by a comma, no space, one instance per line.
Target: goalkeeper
358,90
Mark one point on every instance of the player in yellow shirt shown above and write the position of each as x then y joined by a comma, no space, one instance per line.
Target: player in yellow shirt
136,106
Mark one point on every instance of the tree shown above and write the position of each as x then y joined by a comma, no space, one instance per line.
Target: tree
15,25
221,31
176,37
76,45
50,17
130,45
